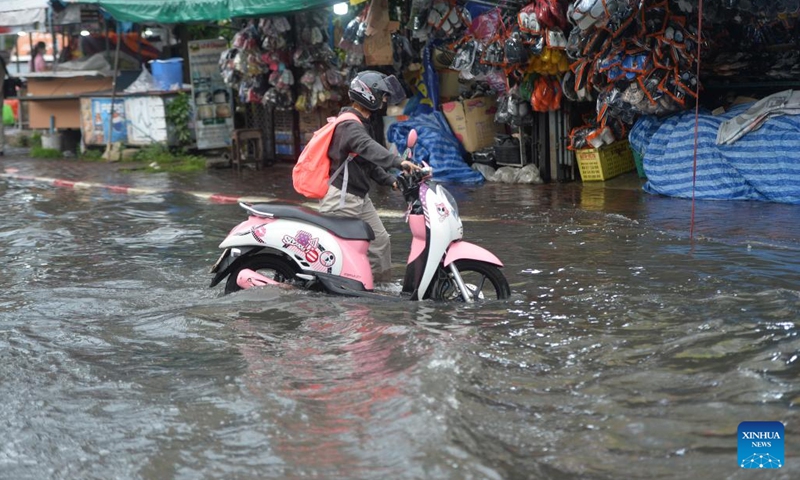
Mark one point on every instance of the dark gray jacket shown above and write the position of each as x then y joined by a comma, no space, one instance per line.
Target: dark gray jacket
372,159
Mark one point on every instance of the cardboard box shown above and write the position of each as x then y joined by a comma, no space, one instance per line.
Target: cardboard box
472,121
378,42
308,123
448,84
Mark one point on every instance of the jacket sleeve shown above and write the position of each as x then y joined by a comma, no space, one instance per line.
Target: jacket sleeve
358,141
381,176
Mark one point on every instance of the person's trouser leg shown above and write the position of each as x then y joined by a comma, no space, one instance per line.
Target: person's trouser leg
380,249
330,204
2,124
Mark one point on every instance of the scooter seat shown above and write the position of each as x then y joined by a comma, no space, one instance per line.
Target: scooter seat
343,227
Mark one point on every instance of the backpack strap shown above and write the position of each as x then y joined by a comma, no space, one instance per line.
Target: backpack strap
342,118
336,173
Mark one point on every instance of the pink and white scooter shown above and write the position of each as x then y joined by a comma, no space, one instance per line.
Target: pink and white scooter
282,244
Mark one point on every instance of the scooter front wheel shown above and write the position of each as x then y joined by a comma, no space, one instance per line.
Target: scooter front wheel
270,266
484,282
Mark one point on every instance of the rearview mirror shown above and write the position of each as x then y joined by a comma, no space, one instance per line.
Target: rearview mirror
412,138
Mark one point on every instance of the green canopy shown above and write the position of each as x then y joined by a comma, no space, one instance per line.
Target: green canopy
184,11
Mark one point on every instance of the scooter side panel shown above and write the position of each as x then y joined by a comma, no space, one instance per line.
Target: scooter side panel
462,250
313,248
444,228
355,263
417,225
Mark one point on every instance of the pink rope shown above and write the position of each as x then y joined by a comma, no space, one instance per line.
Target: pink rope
696,114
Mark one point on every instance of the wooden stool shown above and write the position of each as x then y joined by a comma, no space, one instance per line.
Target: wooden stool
247,146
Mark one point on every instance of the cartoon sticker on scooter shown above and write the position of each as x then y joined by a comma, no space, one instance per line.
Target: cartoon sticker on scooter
302,241
259,232
327,259
443,212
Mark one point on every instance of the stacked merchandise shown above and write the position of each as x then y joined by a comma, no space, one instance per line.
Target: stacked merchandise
258,64
635,58
287,64
751,42
270,55
736,146
519,54
322,85
640,57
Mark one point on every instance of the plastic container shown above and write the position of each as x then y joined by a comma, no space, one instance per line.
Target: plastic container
168,74
600,164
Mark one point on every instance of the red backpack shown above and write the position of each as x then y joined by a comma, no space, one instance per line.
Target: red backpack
310,176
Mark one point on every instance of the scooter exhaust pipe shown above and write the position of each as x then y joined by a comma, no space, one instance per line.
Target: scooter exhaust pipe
249,279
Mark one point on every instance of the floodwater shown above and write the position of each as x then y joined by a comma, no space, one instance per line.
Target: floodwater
627,350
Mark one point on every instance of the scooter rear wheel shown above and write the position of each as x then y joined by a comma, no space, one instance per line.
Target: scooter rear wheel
270,266
484,281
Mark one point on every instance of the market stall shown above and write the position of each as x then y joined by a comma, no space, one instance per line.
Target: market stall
56,96
16,18
22,15
554,84
137,119
212,101
85,64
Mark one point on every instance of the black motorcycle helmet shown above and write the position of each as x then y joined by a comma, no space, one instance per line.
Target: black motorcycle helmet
370,88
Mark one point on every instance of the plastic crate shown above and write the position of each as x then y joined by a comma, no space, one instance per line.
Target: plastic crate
639,161
606,162
506,152
283,127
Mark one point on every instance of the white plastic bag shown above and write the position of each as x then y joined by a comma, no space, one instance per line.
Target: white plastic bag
143,83
529,174
504,175
484,170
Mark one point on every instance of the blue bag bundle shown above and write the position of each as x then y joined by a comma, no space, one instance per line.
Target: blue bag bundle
437,146
763,165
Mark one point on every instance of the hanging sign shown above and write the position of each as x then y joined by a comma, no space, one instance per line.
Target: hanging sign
213,101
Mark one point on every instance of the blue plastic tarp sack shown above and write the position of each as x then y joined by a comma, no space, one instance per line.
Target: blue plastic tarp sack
437,146
763,165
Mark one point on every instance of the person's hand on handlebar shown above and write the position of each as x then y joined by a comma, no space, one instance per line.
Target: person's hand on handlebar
410,166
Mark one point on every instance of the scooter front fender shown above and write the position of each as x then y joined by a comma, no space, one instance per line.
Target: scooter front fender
461,250
249,279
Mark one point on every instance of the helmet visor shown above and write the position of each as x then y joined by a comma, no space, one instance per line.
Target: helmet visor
393,90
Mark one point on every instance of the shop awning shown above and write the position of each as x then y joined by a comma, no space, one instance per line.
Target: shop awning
22,13
185,11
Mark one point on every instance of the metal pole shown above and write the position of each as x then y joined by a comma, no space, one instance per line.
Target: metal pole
30,43
113,96
53,36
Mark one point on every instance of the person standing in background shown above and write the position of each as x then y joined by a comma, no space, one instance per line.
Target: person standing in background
37,58
4,58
